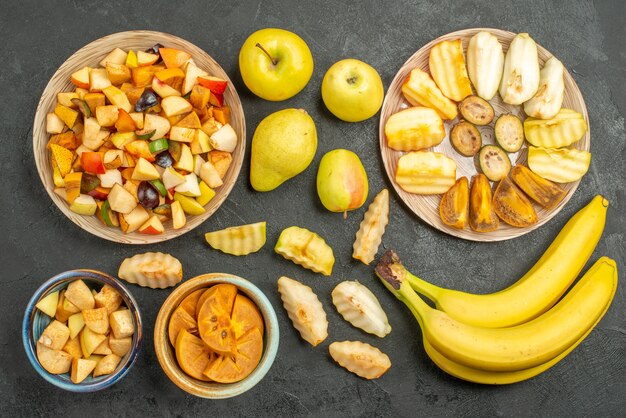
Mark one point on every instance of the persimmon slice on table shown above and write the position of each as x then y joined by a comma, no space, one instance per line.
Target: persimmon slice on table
233,368
181,320
214,321
193,355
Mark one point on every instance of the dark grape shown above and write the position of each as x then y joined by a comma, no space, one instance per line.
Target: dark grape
148,195
164,159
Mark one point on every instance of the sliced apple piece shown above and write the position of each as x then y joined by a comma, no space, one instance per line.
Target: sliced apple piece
172,178
110,178
103,349
210,175
132,221
67,115
138,119
80,78
121,200
152,226
146,58
120,346
53,361
144,170
107,365
78,293
185,162
190,187
69,307
122,323
163,89
75,323
206,194
72,347
116,56
118,74
48,304
65,98
181,134
178,215
91,133
192,72
106,115
81,368
215,84
117,98
121,139
55,335
96,319
98,79
159,124
175,105
108,298
189,204
54,124
225,139
84,205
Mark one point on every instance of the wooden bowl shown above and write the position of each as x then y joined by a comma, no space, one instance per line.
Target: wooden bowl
90,55
427,206
167,356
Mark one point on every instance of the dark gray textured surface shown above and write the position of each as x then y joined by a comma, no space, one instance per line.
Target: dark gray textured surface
38,241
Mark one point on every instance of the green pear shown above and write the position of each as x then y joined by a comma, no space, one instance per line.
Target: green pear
283,146
341,181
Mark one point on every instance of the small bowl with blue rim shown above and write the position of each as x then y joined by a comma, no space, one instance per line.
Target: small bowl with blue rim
35,322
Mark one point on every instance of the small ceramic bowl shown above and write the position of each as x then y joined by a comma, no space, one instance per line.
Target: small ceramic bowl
167,356
36,321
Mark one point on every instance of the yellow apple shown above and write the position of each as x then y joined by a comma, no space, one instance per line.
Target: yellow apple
275,64
352,90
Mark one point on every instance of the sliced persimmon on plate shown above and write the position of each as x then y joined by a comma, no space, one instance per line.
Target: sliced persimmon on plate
181,320
193,355
229,368
245,316
190,302
214,321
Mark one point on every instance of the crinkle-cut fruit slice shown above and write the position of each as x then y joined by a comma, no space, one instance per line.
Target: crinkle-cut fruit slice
542,191
567,127
561,165
304,309
214,321
420,90
233,368
414,128
181,320
360,307
190,302
512,206
454,204
425,172
482,217
360,358
238,240
53,361
447,67
372,228
193,355
154,270
307,249
245,316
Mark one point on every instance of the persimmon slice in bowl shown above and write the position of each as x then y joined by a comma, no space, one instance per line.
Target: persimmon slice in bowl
245,316
229,368
181,320
190,303
193,355
214,321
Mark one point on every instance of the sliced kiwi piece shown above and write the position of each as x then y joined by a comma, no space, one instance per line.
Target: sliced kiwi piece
509,132
494,162
465,138
476,110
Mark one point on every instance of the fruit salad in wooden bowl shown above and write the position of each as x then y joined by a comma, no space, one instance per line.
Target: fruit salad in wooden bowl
139,137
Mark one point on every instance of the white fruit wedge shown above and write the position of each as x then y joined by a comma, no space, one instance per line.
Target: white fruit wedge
174,105
144,170
225,139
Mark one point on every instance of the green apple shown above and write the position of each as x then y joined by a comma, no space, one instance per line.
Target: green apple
275,64
352,90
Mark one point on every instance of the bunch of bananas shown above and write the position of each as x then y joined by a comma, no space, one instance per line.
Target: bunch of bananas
521,331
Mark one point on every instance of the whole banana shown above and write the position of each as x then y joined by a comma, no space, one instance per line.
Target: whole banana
539,289
516,348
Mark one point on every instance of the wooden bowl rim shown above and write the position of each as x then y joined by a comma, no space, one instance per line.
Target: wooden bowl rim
90,223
